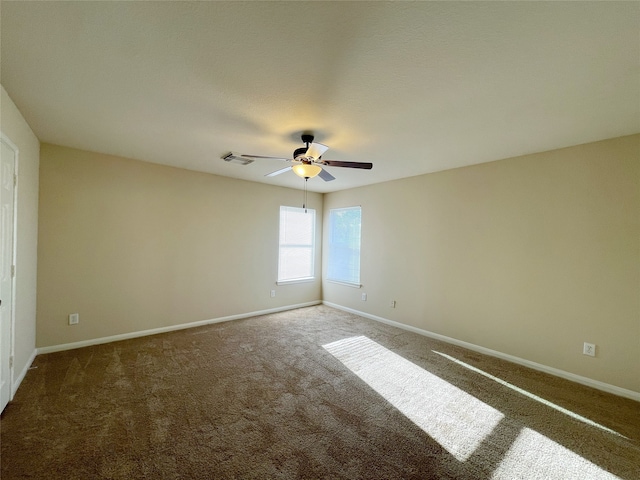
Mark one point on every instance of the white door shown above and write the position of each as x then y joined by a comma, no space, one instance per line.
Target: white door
8,157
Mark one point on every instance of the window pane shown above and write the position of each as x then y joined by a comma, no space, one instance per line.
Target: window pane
297,238
297,227
295,262
344,245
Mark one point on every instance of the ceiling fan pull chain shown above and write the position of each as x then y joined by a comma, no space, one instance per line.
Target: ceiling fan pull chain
304,203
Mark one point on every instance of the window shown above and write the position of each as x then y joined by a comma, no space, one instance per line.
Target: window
297,244
344,245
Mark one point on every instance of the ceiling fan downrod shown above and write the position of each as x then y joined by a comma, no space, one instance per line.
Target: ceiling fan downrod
307,139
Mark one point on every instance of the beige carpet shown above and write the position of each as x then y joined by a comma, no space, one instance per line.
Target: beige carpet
308,393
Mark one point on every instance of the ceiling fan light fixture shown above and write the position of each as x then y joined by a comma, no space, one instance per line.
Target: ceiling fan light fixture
306,170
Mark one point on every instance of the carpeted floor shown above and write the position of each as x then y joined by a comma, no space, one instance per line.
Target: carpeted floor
308,393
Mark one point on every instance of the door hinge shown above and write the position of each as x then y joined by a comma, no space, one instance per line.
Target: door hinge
13,270
11,361
15,180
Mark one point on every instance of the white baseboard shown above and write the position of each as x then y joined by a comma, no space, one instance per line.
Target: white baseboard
17,381
171,328
622,392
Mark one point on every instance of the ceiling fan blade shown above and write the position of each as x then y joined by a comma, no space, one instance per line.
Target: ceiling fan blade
339,163
270,158
316,150
326,176
278,172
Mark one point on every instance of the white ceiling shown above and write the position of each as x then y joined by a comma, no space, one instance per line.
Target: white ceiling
412,87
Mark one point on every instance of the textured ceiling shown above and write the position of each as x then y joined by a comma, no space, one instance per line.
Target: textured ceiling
412,87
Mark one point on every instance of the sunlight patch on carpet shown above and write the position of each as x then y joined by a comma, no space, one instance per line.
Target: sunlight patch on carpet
456,420
529,394
533,452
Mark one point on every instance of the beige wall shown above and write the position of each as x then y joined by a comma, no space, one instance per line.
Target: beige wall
133,246
14,126
530,256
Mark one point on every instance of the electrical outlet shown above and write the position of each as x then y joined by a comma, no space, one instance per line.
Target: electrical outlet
74,319
364,297
273,293
392,304
589,349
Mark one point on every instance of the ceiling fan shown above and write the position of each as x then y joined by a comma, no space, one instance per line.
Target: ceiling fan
307,161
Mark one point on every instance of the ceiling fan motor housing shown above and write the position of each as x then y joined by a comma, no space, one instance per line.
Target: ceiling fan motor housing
299,152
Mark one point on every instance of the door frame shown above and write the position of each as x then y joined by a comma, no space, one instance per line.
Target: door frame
16,161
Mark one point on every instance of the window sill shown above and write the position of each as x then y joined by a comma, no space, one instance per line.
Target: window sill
297,280
348,284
